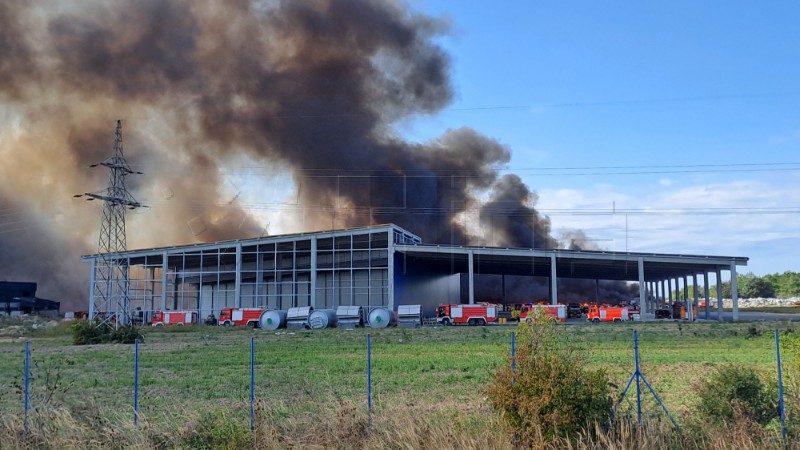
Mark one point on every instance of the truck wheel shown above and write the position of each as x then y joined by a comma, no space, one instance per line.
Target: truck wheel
227,323
617,320
445,321
252,324
481,322
471,322
595,320
159,324
180,324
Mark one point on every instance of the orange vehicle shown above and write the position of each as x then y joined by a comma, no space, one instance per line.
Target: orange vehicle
607,314
479,314
165,318
240,317
555,312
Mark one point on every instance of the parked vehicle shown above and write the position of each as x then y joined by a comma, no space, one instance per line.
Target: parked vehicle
663,313
479,314
554,312
240,317
607,314
166,318
679,311
574,310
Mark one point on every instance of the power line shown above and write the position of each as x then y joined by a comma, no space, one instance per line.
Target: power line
556,170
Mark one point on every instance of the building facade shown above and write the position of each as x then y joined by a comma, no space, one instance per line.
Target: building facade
379,266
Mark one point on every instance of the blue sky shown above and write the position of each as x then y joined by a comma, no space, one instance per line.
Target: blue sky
700,101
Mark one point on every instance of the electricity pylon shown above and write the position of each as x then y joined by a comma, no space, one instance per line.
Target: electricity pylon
109,299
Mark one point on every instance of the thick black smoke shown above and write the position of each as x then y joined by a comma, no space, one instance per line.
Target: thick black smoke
310,86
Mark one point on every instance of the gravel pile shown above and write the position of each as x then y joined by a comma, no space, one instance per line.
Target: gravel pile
760,302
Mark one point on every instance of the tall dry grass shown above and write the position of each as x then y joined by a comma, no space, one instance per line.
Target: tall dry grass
343,425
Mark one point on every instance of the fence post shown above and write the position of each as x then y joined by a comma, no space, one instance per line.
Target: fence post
27,383
513,374
638,378
136,382
369,376
513,353
780,387
252,383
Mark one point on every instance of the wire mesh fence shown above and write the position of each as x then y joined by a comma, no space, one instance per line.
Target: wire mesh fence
298,372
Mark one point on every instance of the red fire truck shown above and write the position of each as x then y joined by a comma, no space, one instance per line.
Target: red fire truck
166,318
554,312
607,314
479,314
240,317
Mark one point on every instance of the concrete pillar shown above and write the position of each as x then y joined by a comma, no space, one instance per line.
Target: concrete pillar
165,269
685,290
642,288
695,301
313,281
389,272
719,295
669,289
553,280
734,292
92,281
471,277
706,293
237,288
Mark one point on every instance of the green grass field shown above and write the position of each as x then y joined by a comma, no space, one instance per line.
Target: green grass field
300,372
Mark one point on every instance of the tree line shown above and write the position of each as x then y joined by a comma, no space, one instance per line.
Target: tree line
780,285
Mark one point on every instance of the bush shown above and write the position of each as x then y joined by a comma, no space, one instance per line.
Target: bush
220,430
126,334
550,394
733,391
85,332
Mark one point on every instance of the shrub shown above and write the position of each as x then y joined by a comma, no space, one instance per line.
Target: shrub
218,430
126,334
550,394
85,332
731,391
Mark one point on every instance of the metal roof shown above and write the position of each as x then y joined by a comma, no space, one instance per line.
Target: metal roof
603,265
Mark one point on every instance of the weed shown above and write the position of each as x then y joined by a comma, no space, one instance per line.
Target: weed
753,332
549,393
735,391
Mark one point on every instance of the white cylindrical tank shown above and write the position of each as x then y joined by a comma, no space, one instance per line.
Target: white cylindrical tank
322,318
272,320
380,318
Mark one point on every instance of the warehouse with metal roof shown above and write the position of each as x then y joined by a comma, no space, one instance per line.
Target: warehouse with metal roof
384,266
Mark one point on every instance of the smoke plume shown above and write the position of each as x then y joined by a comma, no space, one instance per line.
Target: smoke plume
313,87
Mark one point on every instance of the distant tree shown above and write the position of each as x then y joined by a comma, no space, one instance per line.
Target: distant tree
751,286
748,286
786,284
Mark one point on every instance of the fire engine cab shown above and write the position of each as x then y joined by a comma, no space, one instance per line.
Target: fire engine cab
479,314
240,316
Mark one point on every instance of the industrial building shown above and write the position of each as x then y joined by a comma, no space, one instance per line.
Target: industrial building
377,266
18,298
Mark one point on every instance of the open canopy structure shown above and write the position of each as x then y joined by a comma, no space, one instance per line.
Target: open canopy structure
387,266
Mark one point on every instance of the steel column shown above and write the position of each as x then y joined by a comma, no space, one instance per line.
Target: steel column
471,270
734,292
553,280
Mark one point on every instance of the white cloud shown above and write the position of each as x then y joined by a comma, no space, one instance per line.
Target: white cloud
738,218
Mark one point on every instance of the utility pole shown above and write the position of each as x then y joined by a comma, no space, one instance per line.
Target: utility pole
109,299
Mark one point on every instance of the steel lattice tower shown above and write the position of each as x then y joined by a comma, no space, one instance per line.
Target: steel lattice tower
110,284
